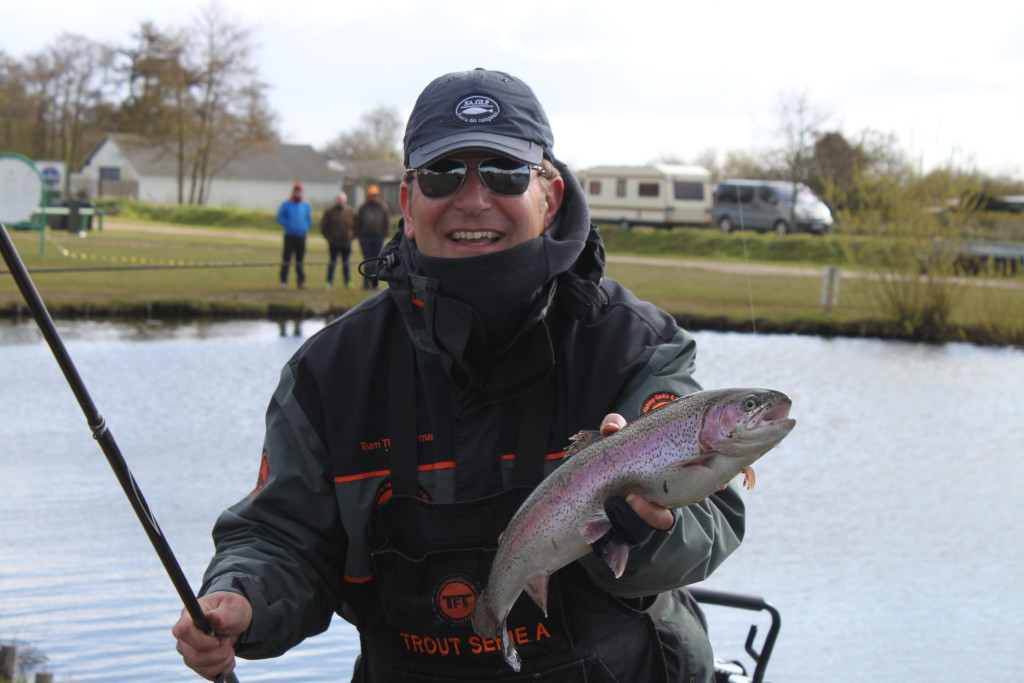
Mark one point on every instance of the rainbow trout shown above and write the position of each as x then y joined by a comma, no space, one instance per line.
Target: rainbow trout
675,455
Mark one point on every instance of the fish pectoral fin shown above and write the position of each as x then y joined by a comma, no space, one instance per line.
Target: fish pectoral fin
748,478
581,440
537,588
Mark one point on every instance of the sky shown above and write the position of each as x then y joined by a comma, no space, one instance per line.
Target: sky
626,82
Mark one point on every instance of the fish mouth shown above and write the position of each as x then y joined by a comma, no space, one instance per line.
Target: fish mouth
769,422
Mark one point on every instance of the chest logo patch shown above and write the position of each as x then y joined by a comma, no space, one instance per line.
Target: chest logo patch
454,598
656,400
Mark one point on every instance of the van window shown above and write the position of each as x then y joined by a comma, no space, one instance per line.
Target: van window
767,194
649,189
746,194
688,189
620,187
595,187
727,193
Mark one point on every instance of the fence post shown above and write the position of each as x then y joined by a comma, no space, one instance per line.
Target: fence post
8,661
44,677
830,287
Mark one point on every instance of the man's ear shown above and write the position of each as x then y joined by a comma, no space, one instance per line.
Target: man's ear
553,199
405,200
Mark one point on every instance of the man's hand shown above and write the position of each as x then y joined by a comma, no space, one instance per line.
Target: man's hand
658,517
209,656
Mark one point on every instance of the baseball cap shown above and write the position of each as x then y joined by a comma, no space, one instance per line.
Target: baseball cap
477,109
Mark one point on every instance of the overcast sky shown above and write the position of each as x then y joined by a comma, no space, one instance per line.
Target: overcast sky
629,81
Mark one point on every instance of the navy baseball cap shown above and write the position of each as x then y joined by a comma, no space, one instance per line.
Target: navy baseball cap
477,109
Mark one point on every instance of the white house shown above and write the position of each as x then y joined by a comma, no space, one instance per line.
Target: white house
124,165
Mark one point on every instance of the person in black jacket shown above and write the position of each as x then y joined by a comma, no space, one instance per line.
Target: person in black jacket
373,223
403,436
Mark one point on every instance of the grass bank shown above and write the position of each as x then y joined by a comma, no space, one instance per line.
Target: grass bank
230,271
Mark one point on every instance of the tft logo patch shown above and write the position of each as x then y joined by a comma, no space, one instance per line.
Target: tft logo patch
454,598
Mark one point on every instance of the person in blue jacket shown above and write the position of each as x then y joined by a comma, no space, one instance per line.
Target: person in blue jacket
295,217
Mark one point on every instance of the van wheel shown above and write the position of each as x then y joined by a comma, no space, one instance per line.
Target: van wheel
724,224
781,227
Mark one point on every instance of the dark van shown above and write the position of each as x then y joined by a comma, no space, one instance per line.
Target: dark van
764,205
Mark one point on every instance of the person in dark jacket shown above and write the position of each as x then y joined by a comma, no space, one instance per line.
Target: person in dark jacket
381,498
373,223
295,217
338,227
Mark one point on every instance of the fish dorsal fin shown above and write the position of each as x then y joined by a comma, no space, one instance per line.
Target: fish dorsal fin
537,588
581,440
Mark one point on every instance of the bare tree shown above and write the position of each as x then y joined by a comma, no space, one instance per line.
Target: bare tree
376,139
231,113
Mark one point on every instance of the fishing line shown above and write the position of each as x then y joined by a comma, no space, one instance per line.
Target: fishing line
746,260
101,433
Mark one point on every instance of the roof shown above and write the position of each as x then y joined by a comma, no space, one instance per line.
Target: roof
273,161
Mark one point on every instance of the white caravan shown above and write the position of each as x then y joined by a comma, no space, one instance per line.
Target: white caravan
660,195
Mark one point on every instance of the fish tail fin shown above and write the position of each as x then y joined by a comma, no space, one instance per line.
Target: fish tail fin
485,622
510,652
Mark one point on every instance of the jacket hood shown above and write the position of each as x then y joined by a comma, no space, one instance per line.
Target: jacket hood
475,325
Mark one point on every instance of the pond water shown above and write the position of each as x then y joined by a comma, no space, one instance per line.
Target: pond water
886,528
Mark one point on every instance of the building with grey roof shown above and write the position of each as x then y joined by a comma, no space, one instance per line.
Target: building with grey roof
125,165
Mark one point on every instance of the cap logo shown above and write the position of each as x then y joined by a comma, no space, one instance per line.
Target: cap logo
477,109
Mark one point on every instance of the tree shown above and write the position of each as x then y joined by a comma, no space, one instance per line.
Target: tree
800,124
377,138
231,114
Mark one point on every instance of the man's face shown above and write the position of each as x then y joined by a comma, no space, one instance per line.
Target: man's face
475,220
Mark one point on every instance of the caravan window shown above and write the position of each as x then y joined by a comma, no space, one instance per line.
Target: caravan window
688,190
648,189
594,187
620,187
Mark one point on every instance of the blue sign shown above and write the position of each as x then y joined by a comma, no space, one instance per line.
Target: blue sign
51,176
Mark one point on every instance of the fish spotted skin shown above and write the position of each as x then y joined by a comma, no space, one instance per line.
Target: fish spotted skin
673,456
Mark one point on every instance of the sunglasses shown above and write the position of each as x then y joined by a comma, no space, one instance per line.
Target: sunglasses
501,175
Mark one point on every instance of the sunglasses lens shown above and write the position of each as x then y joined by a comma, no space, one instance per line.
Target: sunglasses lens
441,178
506,177
500,175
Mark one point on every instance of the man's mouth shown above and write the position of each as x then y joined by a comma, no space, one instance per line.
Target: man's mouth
475,236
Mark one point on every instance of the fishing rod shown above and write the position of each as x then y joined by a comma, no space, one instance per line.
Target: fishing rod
101,433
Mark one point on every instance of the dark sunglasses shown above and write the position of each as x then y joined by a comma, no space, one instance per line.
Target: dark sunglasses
501,175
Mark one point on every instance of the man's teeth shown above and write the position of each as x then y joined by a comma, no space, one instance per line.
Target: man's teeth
475,235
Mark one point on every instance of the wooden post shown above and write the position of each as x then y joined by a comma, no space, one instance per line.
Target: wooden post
8,661
44,677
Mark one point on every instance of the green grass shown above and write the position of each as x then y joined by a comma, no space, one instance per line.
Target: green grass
700,298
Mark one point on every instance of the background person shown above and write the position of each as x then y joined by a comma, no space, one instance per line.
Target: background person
295,217
373,223
381,497
338,228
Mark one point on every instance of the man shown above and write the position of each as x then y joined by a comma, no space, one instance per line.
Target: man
382,497
373,223
295,217
338,228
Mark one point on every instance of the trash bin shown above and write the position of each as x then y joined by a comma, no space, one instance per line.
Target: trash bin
57,221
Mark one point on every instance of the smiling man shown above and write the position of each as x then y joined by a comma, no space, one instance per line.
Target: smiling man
404,435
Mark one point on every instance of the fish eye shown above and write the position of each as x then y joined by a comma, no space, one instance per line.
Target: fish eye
750,403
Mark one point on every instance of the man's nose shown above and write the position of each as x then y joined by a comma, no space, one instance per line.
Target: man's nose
473,192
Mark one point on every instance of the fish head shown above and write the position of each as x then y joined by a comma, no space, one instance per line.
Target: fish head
745,423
